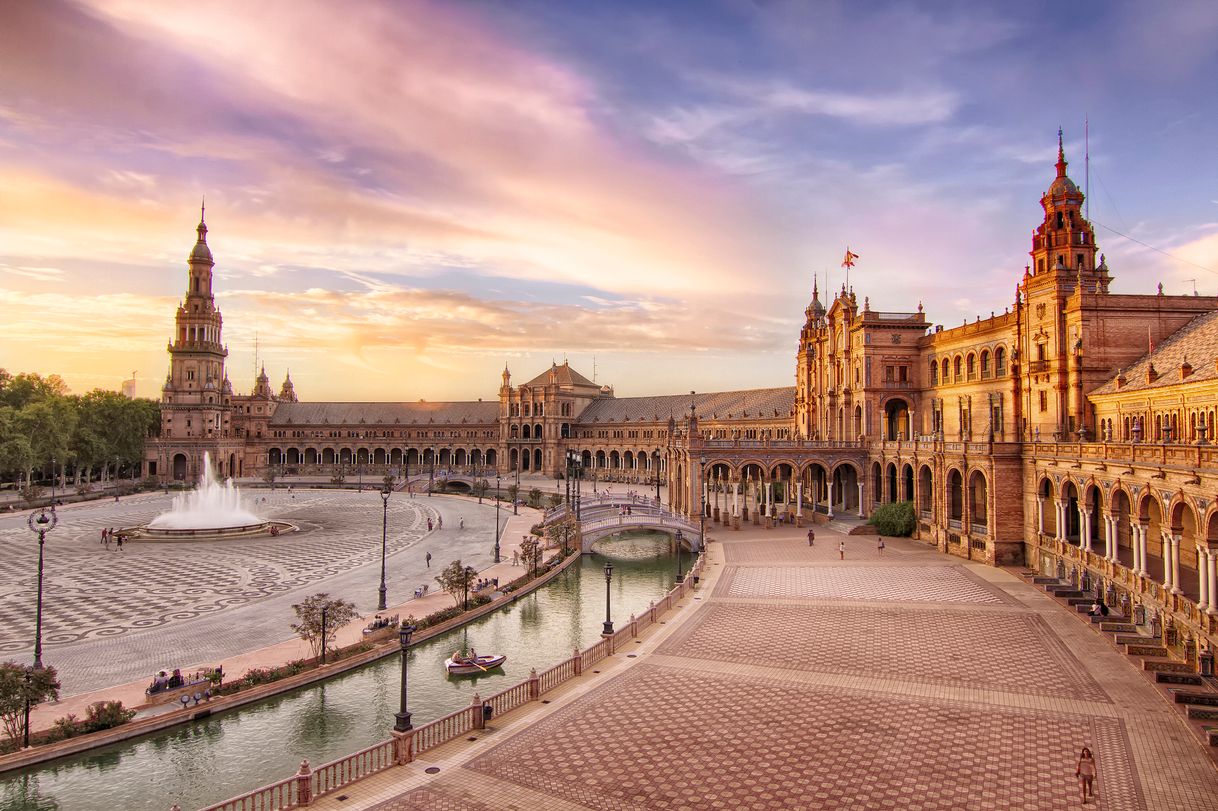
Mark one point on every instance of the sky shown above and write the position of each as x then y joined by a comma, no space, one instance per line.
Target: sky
404,197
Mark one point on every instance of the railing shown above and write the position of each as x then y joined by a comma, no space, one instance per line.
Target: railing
281,795
301,789
341,772
784,444
979,529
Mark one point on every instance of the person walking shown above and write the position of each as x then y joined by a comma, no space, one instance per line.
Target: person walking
841,549
879,547
428,560
811,536
1085,772
429,525
461,522
119,542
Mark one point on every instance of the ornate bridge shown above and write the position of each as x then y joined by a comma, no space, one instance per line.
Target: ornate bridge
603,516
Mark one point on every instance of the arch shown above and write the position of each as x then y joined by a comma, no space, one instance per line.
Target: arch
179,466
232,464
978,502
492,458
877,483
628,460
564,430
585,459
1091,504
514,459
600,459
1070,502
462,457
379,457
537,459
926,493
1121,508
1000,362
986,370
310,457
537,433
412,457
970,366
958,368
907,480
274,457
945,373
846,482
955,496
615,460
327,456
896,419
1184,526
526,432
890,492
1048,511
514,432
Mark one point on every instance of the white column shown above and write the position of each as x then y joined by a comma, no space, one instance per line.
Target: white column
860,500
1084,528
735,499
1175,565
1111,526
1203,580
799,499
1212,566
1040,515
1059,510
1165,541
1139,552
830,483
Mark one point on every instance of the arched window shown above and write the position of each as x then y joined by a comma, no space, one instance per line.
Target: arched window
946,376
1000,362
934,372
985,364
971,366
959,368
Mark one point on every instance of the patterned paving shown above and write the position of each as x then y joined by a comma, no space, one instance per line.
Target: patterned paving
92,592
1011,652
859,549
887,583
659,738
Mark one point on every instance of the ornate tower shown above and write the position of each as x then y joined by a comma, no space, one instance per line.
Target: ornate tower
196,400
805,368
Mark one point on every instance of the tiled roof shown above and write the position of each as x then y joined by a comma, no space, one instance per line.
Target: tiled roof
385,413
1196,341
567,377
736,405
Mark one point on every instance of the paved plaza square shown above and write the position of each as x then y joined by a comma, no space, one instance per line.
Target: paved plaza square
916,682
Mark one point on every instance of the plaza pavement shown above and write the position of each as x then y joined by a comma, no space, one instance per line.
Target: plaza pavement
112,619
797,680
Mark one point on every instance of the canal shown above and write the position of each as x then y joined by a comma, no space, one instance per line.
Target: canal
207,761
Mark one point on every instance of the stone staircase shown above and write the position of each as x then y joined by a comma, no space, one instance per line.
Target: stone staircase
1195,694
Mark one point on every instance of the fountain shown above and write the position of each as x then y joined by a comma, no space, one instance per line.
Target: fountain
211,510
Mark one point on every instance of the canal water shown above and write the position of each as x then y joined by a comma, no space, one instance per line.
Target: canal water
207,761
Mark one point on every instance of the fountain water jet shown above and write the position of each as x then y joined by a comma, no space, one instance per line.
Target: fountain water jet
212,509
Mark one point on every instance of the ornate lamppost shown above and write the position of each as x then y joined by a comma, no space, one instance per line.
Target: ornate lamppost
402,716
608,629
516,500
39,524
384,534
679,539
656,465
702,512
431,484
497,480
325,610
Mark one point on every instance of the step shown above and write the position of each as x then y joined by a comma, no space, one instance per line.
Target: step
1064,591
1157,651
1046,581
1179,678
1168,666
1136,639
1084,603
1117,627
1196,713
1112,617
1194,697
1211,735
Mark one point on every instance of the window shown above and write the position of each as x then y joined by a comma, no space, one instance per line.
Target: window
971,363
888,378
958,366
903,374
945,371
934,372
1000,362
1044,402
985,364
1040,351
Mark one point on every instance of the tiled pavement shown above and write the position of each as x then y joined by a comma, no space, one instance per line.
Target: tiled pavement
823,685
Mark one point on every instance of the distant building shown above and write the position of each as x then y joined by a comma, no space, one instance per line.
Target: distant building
129,388
1070,433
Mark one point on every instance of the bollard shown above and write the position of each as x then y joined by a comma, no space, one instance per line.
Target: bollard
304,784
534,685
579,662
476,706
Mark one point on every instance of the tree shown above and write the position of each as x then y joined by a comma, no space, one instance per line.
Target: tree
534,498
456,580
894,520
19,684
513,491
309,613
561,531
480,488
530,552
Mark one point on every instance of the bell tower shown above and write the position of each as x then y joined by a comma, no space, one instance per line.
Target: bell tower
806,388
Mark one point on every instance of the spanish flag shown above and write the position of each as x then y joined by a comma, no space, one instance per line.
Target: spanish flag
848,262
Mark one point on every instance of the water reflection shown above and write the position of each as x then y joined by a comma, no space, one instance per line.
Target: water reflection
219,757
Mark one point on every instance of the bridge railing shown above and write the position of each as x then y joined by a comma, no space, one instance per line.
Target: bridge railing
626,521
307,785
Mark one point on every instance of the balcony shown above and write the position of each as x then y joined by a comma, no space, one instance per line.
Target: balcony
1037,366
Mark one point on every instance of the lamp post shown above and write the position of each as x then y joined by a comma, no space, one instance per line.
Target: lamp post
656,465
608,629
497,478
40,524
470,572
384,535
402,716
431,483
679,539
702,512
516,500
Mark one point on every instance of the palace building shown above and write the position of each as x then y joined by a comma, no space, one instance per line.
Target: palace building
1070,433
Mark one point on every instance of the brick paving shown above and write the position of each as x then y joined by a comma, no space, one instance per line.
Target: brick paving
921,683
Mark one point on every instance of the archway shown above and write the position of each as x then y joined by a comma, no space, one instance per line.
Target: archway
890,494
1047,505
1071,518
327,456
179,467
926,492
274,457
907,477
846,486
1121,509
978,504
896,418
537,459
1094,523
877,483
1150,515
1184,527
955,498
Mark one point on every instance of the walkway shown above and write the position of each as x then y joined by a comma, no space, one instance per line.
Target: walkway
799,680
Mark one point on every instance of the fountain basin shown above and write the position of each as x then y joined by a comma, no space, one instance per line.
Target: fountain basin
263,529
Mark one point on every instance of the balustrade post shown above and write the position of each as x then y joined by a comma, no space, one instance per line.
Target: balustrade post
403,747
534,685
475,706
304,784
579,662
634,627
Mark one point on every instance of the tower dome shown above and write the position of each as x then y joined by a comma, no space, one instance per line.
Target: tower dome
200,252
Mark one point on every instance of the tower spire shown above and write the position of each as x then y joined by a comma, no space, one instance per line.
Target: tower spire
1061,155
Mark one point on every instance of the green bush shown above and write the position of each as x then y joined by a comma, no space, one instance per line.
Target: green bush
894,519
105,715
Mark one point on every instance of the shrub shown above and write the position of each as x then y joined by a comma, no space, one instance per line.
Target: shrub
894,519
105,715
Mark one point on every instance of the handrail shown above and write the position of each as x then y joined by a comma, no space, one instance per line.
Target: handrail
346,770
276,796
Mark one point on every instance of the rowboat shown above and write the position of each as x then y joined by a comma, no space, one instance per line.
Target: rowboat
458,665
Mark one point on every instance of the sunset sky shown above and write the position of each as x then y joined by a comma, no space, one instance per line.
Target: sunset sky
403,197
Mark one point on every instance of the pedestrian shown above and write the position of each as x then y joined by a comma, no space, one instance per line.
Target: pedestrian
461,522
1085,772
429,525
879,547
515,558
119,542
811,536
841,549
440,522
103,536
428,560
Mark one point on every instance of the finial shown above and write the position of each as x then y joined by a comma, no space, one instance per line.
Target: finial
1061,155
203,210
